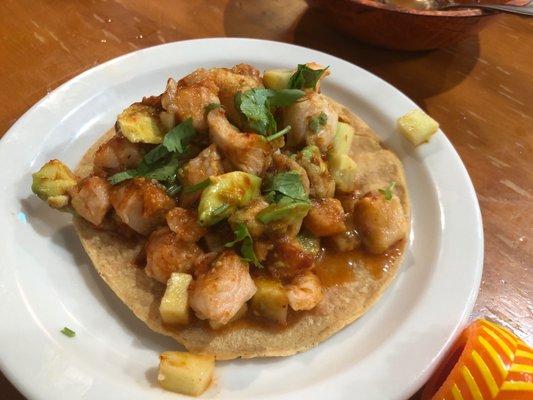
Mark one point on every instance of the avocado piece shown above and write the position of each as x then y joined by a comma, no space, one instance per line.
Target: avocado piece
140,123
225,194
52,183
277,79
284,210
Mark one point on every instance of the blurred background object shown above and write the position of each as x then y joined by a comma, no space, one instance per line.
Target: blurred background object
402,28
478,89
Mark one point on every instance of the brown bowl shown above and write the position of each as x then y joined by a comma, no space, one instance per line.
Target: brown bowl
401,29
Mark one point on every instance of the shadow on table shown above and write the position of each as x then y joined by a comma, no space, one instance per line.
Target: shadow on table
420,75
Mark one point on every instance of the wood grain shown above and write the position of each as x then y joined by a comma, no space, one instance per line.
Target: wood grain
480,90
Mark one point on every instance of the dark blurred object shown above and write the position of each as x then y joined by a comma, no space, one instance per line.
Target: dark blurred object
401,29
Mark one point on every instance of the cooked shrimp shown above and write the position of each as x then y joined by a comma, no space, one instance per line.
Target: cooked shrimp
240,78
282,162
325,218
298,116
288,258
91,199
247,152
166,254
381,222
349,239
118,154
141,204
225,83
189,102
305,292
184,223
219,294
203,263
207,163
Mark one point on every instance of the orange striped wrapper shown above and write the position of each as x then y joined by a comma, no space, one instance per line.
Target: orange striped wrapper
486,362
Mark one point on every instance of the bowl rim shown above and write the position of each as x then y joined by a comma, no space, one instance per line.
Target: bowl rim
461,13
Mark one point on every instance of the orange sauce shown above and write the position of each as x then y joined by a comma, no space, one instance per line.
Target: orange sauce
335,268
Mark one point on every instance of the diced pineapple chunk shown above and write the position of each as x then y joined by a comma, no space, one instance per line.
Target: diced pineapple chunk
417,126
139,123
241,313
185,373
344,172
342,142
174,307
277,79
270,301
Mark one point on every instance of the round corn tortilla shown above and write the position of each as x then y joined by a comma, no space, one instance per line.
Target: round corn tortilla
114,258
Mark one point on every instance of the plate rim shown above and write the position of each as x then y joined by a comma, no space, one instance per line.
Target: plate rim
20,384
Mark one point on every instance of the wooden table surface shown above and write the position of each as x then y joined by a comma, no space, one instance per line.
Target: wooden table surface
480,91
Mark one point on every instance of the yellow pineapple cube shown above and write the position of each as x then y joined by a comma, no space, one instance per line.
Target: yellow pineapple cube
185,373
174,307
270,301
417,126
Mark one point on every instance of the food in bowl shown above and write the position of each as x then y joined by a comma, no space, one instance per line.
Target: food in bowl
244,215
412,4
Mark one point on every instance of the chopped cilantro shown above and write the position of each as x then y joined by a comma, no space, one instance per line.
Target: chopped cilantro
305,77
388,191
287,196
278,134
286,184
162,162
68,332
247,244
177,138
318,121
255,105
199,186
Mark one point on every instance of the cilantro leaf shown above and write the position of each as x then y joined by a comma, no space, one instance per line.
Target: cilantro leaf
284,97
162,162
388,191
199,186
178,137
164,172
305,77
155,154
318,121
68,332
247,244
255,105
286,184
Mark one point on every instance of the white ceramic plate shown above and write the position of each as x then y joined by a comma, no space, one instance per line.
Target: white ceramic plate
47,281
